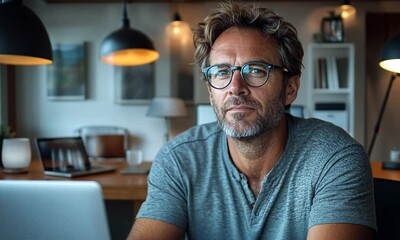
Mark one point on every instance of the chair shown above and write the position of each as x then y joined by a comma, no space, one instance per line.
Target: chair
387,204
105,142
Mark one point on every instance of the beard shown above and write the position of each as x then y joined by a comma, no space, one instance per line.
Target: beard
267,118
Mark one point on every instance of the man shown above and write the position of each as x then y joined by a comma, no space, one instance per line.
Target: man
258,173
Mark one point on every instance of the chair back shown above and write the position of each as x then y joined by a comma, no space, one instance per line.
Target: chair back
104,142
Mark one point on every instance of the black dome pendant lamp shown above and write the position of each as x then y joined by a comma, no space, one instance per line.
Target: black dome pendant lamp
23,37
127,47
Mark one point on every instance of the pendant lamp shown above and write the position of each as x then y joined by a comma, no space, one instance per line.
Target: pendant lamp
127,47
345,10
23,37
176,25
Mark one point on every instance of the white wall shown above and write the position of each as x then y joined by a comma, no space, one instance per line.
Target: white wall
72,23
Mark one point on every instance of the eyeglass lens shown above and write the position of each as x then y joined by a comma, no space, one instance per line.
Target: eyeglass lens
255,74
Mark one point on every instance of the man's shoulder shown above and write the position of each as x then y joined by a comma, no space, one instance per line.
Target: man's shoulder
318,128
315,136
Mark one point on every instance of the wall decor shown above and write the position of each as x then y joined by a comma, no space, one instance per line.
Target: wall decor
66,77
134,84
332,28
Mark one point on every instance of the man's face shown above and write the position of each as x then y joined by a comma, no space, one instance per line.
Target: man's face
244,111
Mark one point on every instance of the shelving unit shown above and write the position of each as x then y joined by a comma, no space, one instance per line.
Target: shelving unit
331,69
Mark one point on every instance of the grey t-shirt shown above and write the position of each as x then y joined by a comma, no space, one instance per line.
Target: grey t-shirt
323,176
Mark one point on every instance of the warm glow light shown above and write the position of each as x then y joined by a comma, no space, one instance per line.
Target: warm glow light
392,65
131,57
177,28
23,60
345,11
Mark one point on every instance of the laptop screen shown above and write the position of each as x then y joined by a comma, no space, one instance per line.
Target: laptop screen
63,154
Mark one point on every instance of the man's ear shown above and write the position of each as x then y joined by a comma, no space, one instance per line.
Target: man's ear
291,89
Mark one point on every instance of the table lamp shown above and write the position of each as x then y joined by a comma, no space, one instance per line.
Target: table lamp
390,61
167,108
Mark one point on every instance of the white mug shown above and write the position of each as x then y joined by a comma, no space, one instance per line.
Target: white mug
16,153
394,155
134,157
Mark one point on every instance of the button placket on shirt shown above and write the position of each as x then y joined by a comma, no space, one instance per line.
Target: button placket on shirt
261,209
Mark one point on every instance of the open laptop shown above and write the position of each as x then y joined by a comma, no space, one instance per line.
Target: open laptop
66,157
43,209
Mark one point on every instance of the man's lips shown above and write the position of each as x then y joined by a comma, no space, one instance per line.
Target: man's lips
240,108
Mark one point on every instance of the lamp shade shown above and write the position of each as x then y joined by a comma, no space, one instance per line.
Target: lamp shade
167,107
23,37
127,47
390,55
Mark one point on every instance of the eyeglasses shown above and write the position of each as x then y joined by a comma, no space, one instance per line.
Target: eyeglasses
255,74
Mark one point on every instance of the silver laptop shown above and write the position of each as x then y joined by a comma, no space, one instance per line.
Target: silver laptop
58,209
66,157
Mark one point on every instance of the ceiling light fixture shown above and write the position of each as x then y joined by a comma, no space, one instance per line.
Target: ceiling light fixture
127,47
23,37
345,10
176,25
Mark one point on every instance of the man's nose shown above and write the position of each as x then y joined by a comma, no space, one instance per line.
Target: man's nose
238,85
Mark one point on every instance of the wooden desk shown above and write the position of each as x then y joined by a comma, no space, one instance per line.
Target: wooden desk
378,172
115,186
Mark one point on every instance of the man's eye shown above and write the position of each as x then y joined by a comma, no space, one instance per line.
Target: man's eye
257,72
222,73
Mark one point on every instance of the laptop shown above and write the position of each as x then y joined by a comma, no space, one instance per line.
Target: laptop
43,209
67,157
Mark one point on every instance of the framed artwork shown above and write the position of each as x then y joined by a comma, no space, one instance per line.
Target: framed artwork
66,77
134,84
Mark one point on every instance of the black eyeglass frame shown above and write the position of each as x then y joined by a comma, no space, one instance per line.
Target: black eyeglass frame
268,66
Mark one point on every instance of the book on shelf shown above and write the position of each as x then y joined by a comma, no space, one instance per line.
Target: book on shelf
333,79
320,74
343,71
330,72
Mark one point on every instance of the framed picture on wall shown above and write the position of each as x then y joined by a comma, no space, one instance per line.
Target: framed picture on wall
66,77
134,84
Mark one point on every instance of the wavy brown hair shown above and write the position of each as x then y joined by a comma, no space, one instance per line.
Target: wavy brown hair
249,16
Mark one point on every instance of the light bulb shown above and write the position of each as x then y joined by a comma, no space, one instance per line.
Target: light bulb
345,11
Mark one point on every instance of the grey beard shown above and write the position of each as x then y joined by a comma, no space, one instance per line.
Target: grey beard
264,123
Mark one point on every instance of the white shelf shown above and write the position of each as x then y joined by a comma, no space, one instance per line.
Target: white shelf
332,91
330,68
